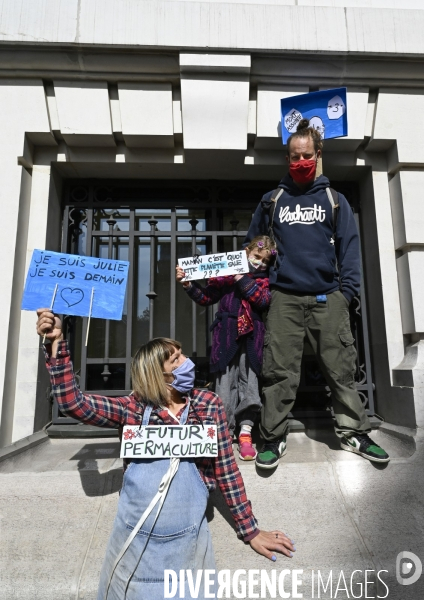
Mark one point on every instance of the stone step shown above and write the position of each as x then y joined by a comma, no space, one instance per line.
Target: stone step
58,501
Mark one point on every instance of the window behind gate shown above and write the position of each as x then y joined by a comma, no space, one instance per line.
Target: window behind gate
152,224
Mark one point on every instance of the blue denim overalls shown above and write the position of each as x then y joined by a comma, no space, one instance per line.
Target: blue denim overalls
175,538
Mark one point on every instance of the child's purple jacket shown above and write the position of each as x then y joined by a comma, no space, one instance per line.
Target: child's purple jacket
225,342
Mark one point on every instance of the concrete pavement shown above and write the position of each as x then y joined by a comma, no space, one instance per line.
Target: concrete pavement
347,516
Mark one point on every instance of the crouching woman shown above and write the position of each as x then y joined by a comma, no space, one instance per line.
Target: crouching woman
161,522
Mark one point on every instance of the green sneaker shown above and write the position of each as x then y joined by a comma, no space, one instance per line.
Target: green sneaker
364,446
271,453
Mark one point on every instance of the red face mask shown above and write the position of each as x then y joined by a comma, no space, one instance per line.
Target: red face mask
303,171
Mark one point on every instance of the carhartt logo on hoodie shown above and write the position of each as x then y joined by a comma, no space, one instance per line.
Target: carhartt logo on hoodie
302,216
306,257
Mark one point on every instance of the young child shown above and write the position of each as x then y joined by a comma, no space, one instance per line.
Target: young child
238,337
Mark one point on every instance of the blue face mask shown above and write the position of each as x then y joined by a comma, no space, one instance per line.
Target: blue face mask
184,377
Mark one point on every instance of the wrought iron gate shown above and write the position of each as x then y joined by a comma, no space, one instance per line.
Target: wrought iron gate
152,224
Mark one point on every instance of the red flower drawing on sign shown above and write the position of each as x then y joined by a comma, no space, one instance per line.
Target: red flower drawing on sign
128,435
211,432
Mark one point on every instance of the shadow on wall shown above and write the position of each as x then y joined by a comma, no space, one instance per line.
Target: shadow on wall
94,482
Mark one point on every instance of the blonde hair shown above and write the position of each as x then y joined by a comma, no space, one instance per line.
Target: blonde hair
267,243
147,370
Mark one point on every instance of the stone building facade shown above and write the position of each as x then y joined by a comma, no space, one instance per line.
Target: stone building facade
167,112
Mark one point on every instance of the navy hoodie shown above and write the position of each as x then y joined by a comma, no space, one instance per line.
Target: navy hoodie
303,229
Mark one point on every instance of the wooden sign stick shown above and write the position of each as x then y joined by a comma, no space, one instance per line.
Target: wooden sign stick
89,316
51,306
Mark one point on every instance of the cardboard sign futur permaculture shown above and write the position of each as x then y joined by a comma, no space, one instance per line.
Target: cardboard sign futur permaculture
166,441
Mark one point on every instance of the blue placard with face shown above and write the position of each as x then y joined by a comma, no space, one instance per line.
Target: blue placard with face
326,111
76,278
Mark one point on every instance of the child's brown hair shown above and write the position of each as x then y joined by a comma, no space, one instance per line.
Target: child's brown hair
263,242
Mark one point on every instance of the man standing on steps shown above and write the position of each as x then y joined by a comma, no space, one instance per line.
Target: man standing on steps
313,281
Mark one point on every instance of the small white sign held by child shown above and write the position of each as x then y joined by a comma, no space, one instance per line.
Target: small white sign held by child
214,265
166,441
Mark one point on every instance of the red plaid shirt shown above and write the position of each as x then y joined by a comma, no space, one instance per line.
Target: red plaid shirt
125,410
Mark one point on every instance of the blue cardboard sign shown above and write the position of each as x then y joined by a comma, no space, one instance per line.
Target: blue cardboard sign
326,111
76,276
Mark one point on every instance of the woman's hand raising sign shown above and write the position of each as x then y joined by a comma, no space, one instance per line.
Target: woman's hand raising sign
50,325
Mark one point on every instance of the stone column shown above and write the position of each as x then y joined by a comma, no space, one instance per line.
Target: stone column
28,341
406,190
24,121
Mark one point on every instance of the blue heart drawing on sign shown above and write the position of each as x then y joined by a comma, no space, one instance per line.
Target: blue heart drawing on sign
72,296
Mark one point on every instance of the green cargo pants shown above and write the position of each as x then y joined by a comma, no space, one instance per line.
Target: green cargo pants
326,326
